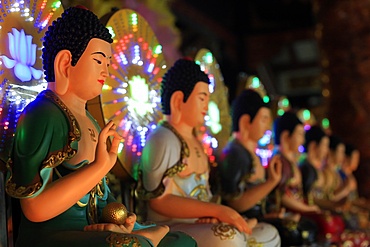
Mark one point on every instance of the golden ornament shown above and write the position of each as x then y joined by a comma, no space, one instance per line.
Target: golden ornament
115,213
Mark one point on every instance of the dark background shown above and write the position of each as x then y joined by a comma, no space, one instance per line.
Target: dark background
270,38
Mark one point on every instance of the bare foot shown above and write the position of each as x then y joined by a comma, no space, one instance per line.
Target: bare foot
252,222
207,220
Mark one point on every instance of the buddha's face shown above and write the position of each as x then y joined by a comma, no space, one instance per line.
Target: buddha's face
260,124
297,138
323,148
87,77
196,106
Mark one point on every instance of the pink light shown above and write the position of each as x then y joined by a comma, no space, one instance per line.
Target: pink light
115,101
130,35
7,123
149,54
117,113
118,59
145,46
46,20
138,153
121,123
129,141
155,71
134,148
140,39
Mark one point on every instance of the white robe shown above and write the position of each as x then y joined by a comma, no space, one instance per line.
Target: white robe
162,152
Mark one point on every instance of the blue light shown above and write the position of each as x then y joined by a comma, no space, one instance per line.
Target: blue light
23,56
150,68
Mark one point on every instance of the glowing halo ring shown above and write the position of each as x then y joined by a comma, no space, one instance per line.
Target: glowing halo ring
218,121
283,105
307,117
131,95
23,24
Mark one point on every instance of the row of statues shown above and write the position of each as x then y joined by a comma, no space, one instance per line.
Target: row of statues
60,159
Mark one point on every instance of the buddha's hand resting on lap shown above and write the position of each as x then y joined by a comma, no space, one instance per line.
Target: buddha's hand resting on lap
125,228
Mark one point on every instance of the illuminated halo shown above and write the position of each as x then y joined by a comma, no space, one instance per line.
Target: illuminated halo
283,105
306,117
253,82
22,27
131,96
217,121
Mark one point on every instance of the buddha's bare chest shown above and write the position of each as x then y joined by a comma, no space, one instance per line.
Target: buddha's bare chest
88,141
197,162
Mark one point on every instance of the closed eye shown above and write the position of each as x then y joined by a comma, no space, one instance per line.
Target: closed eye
98,61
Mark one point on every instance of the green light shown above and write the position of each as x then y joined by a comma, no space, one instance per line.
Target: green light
214,115
158,49
280,112
255,82
306,114
134,19
111,31
325,123
209,58
285,102
266,99
56,4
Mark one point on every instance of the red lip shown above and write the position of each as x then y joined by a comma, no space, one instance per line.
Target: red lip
101,82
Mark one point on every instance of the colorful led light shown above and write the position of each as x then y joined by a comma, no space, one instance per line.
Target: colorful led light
132,93
21,74
216,131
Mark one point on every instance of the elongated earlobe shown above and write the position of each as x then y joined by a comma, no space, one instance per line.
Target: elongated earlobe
62,64
175,104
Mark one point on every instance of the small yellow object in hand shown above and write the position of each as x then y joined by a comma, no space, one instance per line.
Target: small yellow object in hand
115,213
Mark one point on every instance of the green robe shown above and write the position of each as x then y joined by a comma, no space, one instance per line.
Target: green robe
46,138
